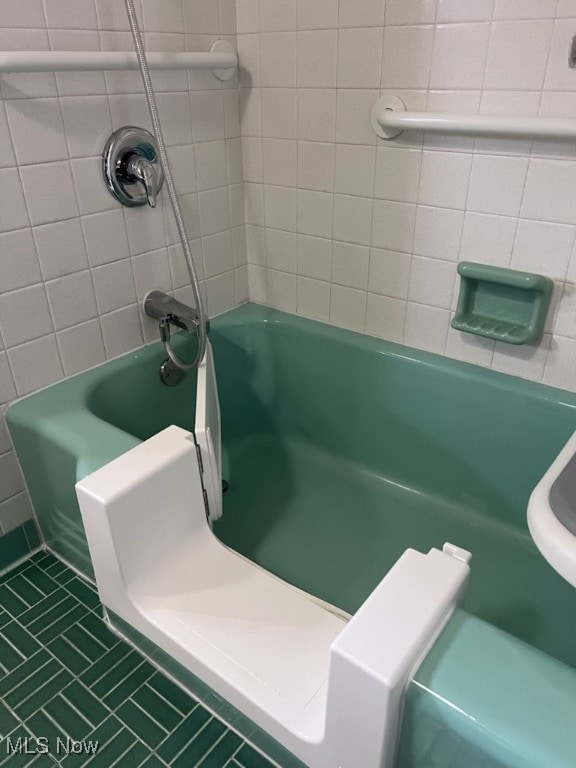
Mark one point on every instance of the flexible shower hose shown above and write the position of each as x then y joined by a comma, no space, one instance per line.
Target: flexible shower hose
152,106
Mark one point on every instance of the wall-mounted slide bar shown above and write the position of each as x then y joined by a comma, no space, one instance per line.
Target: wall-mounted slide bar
390,118
221,59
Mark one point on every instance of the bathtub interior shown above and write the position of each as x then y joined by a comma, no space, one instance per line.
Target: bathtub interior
341,451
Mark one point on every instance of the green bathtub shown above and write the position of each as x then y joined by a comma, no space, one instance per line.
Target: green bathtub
341,451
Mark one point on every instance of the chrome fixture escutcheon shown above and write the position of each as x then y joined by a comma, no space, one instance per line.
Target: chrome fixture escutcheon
132,168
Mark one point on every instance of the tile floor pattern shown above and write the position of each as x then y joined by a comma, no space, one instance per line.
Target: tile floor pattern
64,675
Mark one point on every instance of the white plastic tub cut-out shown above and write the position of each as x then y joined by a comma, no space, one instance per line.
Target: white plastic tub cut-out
328,689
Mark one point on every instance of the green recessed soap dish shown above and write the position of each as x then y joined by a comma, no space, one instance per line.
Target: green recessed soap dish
502,304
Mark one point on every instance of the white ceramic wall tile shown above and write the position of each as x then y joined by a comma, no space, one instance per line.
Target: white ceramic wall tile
359,58
282,250
397,174
507,66
254,204
277,15
393,225
257,283
70,14
280,208
61,248
317,57
278,60
49,192
19,265
81,347
389,273
71,299
105,237
15,511
352,219
241,288
279,162
444,179
252,170
7,157
354,170
121,330
167,17
211,165
11,480
353,111
410,11
214,211
438,232
469,348
281,290
24,315
317,14
406,56
565,324
92,196
348,308
459,55
527,361
497,184
7,388
432,282
543,247
488,239
549,188
249,61
313,298
218,257
361,13
88,124
315,212
316,114
279,113
114,286
455,10
234,160
316,166
236,196
525,9
24,15
350,265
35,364
151,271
13,213
558,75
314,257
426,327
385,317
37,130
207,108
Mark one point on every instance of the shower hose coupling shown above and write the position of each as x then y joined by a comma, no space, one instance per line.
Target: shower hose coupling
171,312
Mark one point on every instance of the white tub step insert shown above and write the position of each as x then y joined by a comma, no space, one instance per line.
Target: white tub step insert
327,688
248,623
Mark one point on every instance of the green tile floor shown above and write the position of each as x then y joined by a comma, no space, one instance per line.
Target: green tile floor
64,678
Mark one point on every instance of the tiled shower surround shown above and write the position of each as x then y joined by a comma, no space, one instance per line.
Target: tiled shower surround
364,233
74,262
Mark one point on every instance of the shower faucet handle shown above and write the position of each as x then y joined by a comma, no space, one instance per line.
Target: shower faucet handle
141,169
131,166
